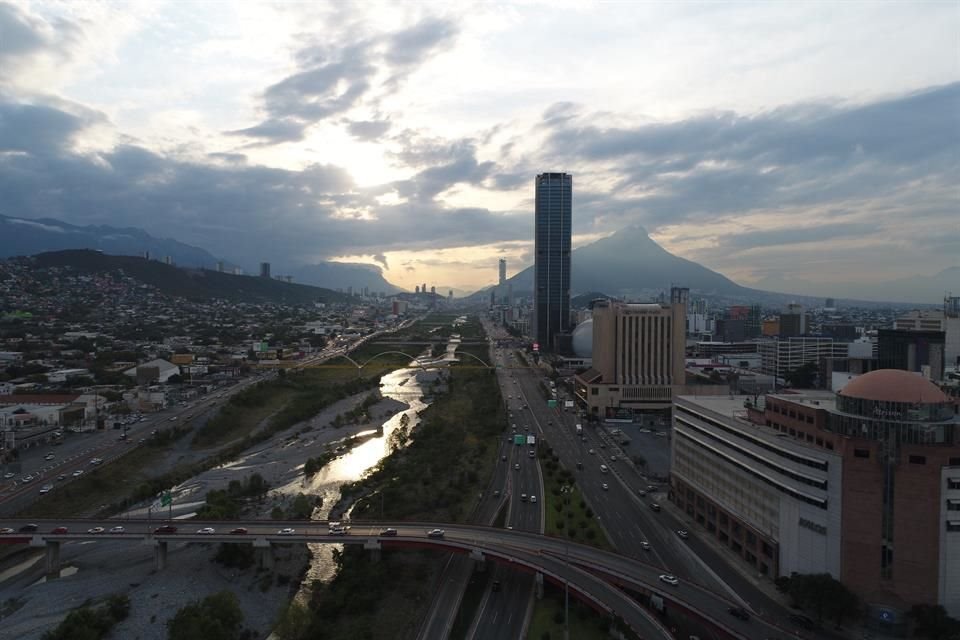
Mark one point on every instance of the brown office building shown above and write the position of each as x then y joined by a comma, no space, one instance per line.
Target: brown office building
638,356
863,484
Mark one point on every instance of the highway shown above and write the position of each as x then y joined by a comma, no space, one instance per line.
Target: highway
627,516
591,573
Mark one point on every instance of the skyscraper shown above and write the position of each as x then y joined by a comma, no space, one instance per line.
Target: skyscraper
552,219
503,271
264,269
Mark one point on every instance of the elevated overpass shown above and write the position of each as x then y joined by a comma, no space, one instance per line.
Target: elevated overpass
607,581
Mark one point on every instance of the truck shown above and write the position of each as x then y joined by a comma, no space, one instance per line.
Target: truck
532,441
579,430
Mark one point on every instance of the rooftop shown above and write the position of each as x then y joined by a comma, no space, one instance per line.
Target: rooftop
894,385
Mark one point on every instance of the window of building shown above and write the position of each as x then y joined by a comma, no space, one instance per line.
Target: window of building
614,389
953,483
918,459
861,453
724,537
751,539
829,445
953,505
955,462
736,529
723,520
594,391
793,414
793,433
809,419
952,525
767,550
819,442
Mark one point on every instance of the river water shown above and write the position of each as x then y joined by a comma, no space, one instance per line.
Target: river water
409,385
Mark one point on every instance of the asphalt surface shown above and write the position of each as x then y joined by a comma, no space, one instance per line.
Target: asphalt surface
506,613
588,570
627,517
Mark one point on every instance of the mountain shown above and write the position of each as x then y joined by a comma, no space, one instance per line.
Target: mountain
340,275
919,289
194,284
630,264
23,237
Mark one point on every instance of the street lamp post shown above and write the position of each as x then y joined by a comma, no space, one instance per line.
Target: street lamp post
566,595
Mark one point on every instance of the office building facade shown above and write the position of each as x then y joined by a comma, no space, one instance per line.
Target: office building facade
863,484
552,231
638,356
946,320
780,357
264,269
915,351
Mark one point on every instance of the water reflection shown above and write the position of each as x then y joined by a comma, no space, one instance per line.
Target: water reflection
409,385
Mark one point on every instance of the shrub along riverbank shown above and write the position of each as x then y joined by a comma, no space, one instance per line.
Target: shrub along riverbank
437,477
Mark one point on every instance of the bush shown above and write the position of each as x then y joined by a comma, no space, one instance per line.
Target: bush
91,623
216,617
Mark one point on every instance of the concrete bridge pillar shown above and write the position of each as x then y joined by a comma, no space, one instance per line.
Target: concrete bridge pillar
538,581
160,555
53,559
373,546
265,557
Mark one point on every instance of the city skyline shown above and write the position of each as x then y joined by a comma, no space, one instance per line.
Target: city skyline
228,124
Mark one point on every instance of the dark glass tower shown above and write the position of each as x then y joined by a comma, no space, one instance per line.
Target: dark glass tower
554,195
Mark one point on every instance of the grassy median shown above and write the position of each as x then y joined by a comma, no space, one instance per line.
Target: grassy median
566,511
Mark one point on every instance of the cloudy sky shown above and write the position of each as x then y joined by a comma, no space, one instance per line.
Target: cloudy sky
785,145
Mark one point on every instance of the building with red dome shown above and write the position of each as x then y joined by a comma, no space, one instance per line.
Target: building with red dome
863,484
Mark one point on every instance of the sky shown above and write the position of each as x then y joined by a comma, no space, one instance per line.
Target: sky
787,145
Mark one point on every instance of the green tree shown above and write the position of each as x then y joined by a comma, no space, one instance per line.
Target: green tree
293,622
931,621
803,377
216,617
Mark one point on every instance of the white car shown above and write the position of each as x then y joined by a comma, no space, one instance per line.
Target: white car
95,530
605,486
435,533
117,529
47,488
669,579
533,498
645,545
78,473
8,475
206,531
287,532
683,534
339,531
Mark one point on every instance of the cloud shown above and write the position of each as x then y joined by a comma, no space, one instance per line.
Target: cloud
26,38
333,78
381,259
368,130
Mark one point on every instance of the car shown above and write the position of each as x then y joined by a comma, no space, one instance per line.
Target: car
8,475
59,530
670,579
603,446
339,531
167,528
96,530
239,531
61,478
517,466
435,533
641,493
683,533
78,473
26,479
29,528
802,621
531,454
613,458
605,486
533,498
6,530
117,529
287,531
389,531
655,506
495,587
645,545
650,487
496,493
49,456
503,458
523,497
739,612
579,466
591,452
47,488
206,531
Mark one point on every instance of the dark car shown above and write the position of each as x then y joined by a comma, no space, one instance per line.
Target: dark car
167,528
389,531
496,586
239,531
59,530
29,528
655,506
802,621
739,612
